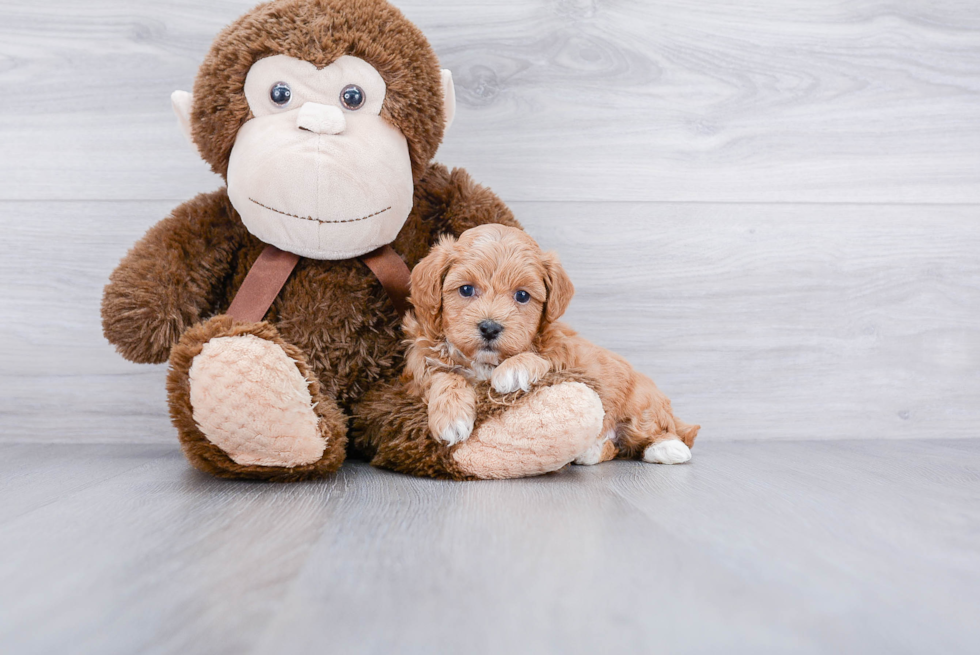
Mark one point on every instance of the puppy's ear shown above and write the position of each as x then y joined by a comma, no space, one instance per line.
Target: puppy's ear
559,286
427,278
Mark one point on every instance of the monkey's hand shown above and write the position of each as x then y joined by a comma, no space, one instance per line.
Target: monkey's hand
168,281
452,408
519,372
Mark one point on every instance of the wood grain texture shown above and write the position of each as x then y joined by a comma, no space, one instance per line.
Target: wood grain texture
859,547
858,101
759,321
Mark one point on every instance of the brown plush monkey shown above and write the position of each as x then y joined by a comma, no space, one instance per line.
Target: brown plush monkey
322,116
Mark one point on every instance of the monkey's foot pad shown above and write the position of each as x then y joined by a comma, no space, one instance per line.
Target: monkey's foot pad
251,401
554,426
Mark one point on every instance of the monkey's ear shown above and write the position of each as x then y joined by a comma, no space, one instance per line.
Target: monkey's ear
182,102
427,279
448,97
559,286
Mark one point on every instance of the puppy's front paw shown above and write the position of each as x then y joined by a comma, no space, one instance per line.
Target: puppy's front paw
456,432
452,408
518,372
671,451
508,379
451,426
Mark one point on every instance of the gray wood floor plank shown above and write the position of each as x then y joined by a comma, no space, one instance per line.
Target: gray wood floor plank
805,547
760,321
158,560
830,523
630,100
553,565
34,475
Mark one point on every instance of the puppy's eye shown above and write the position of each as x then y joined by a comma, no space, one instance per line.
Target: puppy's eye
352,97
281,94
467,290
523,297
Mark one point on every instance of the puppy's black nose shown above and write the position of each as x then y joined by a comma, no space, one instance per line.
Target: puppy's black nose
490,329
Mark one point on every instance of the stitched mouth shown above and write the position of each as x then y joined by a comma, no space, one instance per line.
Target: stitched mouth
317,220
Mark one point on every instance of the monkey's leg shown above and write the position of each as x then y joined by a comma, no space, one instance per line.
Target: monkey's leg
516,435
246,405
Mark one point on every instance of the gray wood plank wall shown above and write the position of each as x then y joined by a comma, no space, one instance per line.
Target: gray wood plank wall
771,207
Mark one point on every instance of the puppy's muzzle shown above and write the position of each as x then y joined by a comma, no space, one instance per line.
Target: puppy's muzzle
490,330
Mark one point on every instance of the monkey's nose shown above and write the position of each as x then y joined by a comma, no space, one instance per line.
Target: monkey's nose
321,119
490,329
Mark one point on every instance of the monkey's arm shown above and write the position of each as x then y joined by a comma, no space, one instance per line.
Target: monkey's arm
171,278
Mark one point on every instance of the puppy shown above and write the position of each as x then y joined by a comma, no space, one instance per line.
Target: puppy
486,307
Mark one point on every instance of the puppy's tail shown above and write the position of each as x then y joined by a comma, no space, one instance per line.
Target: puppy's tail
686,431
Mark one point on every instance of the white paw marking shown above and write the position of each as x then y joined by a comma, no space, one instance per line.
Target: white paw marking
457,431
591,456
511,379
672,451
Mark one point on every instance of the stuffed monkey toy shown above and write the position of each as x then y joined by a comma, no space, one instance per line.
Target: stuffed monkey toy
277,299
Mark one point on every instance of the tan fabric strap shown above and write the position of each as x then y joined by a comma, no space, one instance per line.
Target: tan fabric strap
393,273
273,267
262,284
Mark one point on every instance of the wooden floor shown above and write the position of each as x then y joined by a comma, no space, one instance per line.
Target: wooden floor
753,547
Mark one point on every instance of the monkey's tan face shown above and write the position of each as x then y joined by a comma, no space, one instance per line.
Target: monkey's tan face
317,171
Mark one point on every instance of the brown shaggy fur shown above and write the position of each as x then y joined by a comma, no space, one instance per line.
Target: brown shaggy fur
496,263
401,442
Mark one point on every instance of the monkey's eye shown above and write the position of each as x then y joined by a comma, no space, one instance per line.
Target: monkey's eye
352,97
467,290
523,297
281,94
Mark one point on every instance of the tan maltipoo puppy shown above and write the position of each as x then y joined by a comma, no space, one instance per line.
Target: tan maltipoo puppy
486,308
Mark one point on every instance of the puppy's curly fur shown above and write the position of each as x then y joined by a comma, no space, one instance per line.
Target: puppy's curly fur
486,308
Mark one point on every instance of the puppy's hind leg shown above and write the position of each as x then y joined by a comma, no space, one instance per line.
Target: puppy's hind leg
650,431
673,448
670,450
686,431
656,437
602,450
